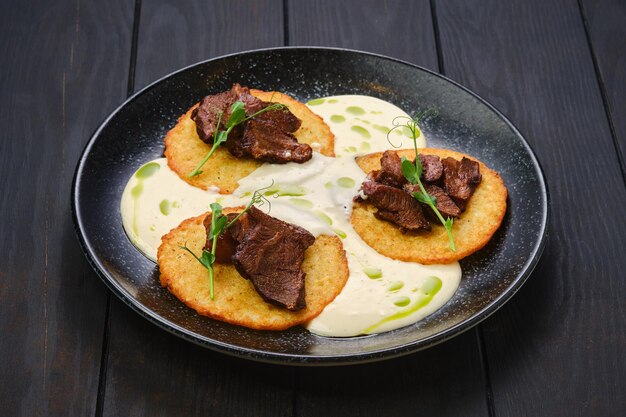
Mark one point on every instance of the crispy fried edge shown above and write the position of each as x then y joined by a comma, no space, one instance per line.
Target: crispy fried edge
470,233
173,276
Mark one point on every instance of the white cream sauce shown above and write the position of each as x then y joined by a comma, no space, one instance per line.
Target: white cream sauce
381,294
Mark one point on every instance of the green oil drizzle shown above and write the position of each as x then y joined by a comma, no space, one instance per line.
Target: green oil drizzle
382,129
361,131
340,233
337,118
365,146
346,182
402,301
316,102
301,202
351,149
395,286
324,217
333,100
165,207
431,287
373,273
328,185
137,190
286,190
355,110
146,171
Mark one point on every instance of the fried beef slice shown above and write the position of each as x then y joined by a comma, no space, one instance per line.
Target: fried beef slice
269,252
390,170
267,137
460,179
432,167
396,206
446,206
208,113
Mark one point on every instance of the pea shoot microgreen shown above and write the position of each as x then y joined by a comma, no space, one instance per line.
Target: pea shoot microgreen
237,117
219,224
413,170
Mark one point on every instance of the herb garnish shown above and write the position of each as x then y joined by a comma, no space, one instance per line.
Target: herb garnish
413,171
219,223
237,117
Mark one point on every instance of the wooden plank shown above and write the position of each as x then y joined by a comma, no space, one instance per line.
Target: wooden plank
176,34
557,347
402,29
437,381
150,372
153,373
604,21
61,74
414,383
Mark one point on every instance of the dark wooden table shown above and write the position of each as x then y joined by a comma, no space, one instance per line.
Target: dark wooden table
557,69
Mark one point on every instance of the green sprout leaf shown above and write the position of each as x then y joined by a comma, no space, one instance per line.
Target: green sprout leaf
237,114
409,171
425,198
207,259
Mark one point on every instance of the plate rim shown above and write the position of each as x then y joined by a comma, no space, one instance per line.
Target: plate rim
312,359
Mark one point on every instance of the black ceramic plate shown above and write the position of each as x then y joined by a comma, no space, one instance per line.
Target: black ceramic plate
134,133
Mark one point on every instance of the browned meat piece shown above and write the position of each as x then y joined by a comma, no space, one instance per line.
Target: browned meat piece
251,103
267,137
208,113
282,119
270,254
266,141
396,206
391,170
460,179
444,203
431,167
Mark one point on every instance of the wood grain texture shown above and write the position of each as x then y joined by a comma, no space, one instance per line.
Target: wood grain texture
153,373
401,29
150,372
64,68
176,34
604,20
557,347
435,382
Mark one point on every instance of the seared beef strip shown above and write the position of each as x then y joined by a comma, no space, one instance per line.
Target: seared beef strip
431,167
460,179
395,205
391,170
443,202
208,113
268,252
267,137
